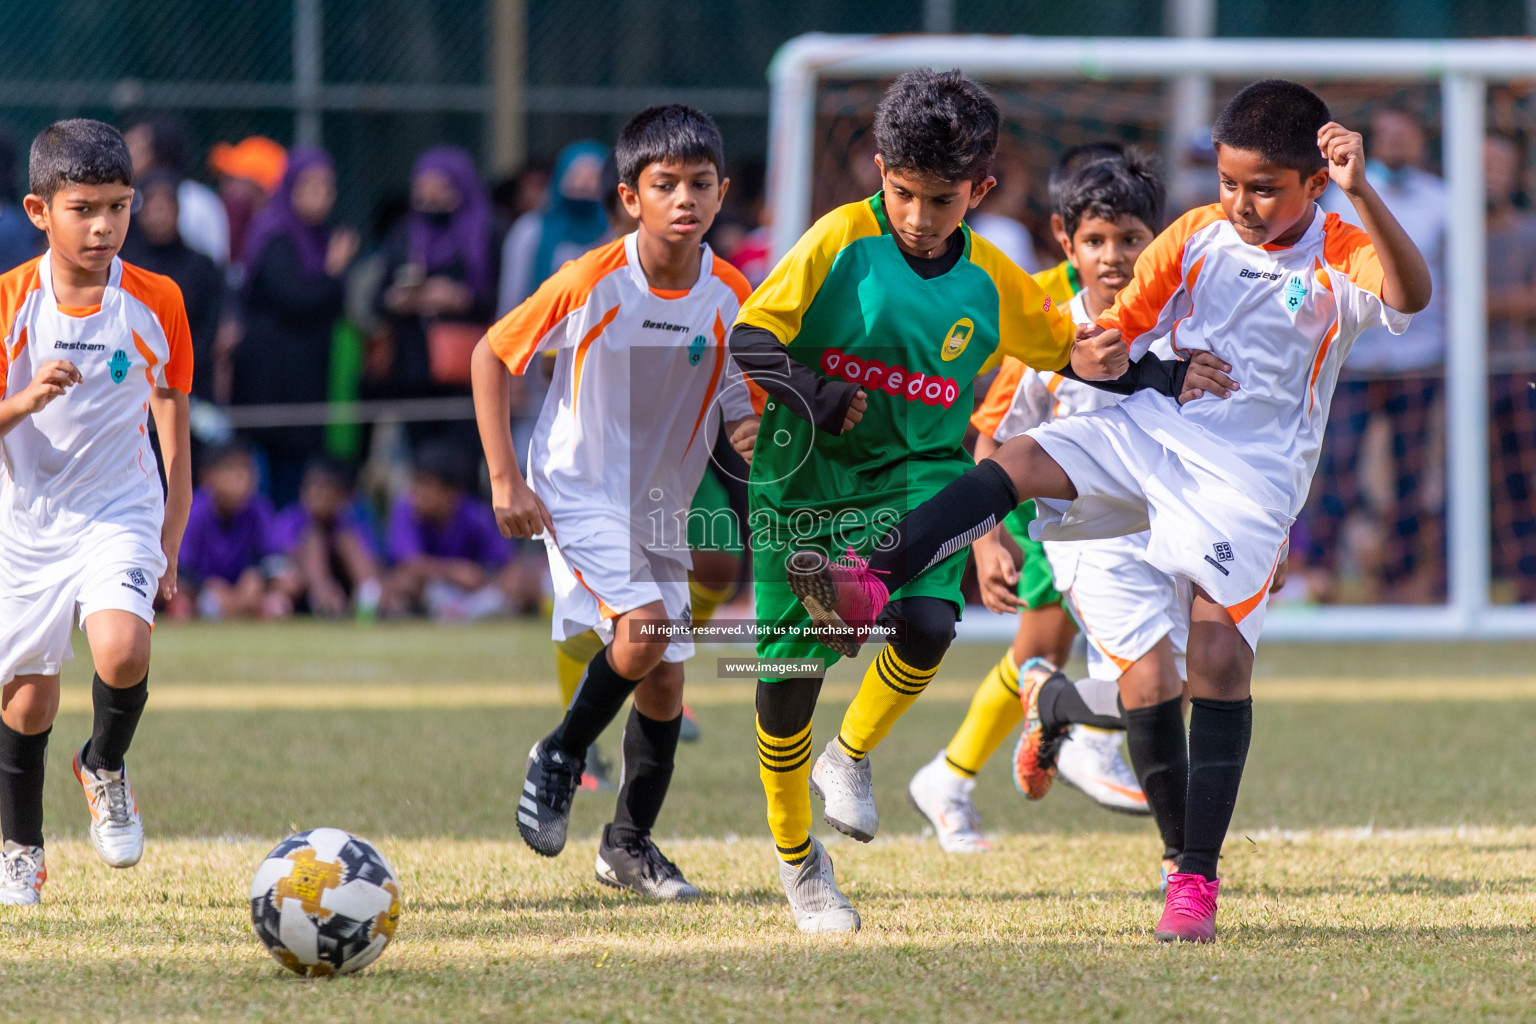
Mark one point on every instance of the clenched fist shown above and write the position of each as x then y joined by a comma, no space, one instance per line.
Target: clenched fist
1098,354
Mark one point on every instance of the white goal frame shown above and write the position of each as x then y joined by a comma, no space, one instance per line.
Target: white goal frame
1463,69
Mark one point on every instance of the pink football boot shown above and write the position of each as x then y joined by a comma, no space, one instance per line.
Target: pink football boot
843,597
1190,912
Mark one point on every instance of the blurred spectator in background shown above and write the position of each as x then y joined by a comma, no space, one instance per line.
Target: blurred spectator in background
1001,217
154,242
249,171
446,556
19,240
749,194
295,266
570,222
229,567
1400,378
161,143
330,544
1511,366
521,192
438,291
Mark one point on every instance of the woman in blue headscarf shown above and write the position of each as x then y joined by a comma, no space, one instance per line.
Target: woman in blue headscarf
570,222
295,264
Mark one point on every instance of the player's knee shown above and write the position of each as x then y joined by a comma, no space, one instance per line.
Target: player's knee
640,641
660,694
30,703
121,655
926,628
1033,472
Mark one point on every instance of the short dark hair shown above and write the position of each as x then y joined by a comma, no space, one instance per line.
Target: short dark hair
227,451
1075,157
1277,119
170,145
329,467
446,462
78,151
937,124
1114,187
671,133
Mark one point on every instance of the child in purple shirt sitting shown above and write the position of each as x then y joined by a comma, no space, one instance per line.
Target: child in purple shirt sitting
447,558
330,544
228,567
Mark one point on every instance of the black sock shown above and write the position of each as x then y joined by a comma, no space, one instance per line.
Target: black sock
117,716
597,702
22,761
966,509
650,748
1219,732
1062,704
1160,755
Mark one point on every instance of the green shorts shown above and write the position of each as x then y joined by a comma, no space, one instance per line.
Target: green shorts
1037,583
712,523
786,626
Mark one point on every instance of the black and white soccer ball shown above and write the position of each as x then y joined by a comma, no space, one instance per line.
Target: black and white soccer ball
325,902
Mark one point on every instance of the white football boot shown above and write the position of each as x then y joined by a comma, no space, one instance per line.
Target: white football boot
943,796
847,788
22,875
1091,760
117,832
818,905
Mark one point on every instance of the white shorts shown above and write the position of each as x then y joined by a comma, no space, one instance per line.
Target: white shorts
1202,527
113,568
599,573
1122,604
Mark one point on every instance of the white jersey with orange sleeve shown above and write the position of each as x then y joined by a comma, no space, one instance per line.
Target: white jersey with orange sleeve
81,504
1123,605
642,378
1284,318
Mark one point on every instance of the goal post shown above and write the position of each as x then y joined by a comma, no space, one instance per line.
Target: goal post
1463,71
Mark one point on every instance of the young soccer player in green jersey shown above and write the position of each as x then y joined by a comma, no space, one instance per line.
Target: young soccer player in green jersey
867,337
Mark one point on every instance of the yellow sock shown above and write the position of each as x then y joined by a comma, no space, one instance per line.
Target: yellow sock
889,688
571,659
995,712
784,763
703,600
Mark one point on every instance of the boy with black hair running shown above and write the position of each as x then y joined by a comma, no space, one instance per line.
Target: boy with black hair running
1277,289
642,377
867,337
88,345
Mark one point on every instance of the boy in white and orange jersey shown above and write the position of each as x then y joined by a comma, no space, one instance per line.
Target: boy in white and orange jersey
90,345
1273,287
641,379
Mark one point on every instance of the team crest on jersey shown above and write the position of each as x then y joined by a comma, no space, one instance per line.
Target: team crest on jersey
956,339
696,350
118,365
1295,292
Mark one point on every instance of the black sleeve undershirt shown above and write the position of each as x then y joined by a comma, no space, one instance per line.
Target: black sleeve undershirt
1165,376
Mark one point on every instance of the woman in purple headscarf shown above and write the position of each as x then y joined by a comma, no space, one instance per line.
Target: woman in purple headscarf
295,262
438,293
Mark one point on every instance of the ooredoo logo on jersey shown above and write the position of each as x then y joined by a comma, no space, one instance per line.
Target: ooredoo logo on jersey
893,380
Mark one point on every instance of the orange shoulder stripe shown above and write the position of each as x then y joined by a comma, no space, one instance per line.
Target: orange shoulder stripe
1348,250
163,297
518,335
999,397
1159,273
732,277
15,285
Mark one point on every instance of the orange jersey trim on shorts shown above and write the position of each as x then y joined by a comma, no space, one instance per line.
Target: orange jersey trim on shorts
1243,609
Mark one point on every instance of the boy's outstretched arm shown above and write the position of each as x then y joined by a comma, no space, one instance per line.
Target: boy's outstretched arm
765,359
1405,276
169,407
519,512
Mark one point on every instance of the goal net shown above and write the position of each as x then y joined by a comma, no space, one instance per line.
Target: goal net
1425,525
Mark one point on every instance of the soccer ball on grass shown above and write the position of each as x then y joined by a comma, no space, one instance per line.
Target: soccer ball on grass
325,902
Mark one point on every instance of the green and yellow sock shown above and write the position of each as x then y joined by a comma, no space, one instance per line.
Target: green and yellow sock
995,712
890,686
784,764
704,599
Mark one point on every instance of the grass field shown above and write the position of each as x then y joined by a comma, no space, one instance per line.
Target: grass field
1381,866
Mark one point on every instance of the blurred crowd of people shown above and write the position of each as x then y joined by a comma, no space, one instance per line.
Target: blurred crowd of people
288,306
